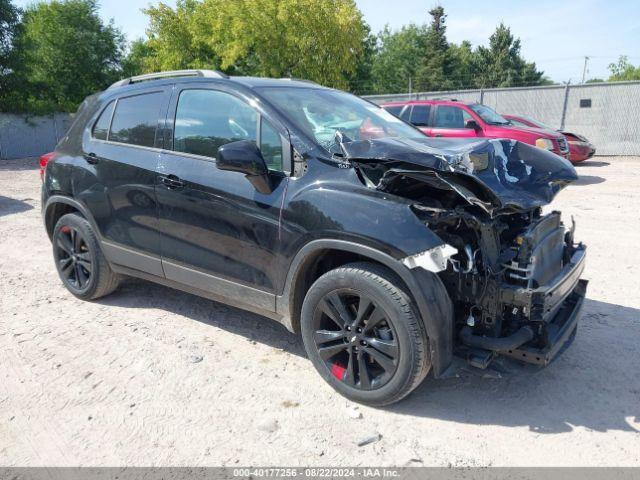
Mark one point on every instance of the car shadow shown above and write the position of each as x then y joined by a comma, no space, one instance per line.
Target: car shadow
9,205
142,294
588,180
591,163
593,384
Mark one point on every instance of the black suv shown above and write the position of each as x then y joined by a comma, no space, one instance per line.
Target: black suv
388,251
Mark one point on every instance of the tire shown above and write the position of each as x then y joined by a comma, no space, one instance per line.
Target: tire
79,260
391,344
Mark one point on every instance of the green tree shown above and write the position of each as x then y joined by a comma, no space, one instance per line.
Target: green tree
321,40
501,65
9,24
622,70
137,58
462,66
398,58
437,64
172,43
9,27
318,40
66,53
360,81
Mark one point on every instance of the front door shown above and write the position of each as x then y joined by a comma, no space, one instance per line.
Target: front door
450,121
218,233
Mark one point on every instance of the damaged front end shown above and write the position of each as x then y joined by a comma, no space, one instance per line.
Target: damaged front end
512,272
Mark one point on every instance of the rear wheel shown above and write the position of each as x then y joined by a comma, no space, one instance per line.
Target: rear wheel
362,335
79,259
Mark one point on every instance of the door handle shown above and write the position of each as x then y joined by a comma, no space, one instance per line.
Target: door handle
171,181
438,135
91,158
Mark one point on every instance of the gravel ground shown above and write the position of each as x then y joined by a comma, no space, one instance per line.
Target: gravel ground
152,376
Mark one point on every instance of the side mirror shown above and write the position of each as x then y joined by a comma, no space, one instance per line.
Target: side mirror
472,124
245,157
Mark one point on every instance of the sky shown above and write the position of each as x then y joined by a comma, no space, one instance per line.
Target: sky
556,35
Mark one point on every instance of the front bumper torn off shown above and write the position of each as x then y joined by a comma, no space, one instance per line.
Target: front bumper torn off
561,330
558,307
553,313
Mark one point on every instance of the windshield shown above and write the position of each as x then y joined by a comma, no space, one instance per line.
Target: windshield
489,115
320,113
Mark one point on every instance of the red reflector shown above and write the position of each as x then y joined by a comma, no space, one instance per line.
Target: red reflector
44,159
338,371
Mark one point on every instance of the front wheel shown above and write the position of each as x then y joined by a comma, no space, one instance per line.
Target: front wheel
362,334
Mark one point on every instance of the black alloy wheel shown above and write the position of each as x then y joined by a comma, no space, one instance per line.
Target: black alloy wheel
355,339
362,333
79,259
75,261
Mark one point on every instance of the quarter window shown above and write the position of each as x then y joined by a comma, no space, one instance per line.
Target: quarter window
420,115
450,117
101,127
136,119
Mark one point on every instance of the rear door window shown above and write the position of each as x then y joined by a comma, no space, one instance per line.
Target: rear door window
394,109
101,127
136,119
420,115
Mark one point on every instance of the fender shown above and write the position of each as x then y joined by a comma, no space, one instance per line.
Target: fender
426,288
53,199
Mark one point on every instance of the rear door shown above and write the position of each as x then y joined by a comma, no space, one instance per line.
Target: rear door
218,233
420,118
117,182
450,120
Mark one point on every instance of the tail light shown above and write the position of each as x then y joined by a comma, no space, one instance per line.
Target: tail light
44,159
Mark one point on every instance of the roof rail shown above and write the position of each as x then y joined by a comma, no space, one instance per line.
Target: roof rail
299,80
168,74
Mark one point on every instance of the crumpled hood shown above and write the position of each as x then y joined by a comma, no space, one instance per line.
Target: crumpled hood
496,175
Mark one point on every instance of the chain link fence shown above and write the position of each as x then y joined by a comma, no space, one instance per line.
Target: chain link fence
608,114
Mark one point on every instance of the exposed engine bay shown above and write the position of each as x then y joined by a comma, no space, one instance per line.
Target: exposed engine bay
511,271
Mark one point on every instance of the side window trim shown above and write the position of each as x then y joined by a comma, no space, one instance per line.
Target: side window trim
172,112
405,113
113,112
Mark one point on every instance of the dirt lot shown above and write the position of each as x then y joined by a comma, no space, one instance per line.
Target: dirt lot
151,376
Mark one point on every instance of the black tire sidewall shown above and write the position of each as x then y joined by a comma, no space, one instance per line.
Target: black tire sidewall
352,278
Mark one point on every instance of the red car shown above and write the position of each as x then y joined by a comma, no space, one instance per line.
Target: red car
452,118
580,148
